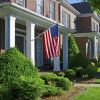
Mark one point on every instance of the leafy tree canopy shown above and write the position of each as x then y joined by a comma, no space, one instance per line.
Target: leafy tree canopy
95,4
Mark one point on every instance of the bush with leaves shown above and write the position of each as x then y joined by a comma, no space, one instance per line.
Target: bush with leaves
63,83
72,49
80,60
53,79
48,77
51,90
70,73
89,71
13,65
27,88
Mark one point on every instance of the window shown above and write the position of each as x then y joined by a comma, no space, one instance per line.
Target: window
20,2
52,9
39,6
66,19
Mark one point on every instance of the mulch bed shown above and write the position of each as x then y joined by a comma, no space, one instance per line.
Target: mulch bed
67,95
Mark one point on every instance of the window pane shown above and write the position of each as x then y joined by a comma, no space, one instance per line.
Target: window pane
39,7
65,19
52,10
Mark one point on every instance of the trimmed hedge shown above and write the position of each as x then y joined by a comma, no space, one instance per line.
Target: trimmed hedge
51,90
53,79
27,88
63,83
48,77
70,73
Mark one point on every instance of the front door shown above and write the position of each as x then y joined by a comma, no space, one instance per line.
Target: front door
20,43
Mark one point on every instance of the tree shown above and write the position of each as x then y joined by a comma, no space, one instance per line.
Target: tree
95,4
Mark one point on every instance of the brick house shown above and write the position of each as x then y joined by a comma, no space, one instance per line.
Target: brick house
87,30
23,20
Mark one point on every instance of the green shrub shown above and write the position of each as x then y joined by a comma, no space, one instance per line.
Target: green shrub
98,64
27,88
70,73
80,60
54,80
63,83
72,49
52,90
48,77
13,64
5,93
89,71
78,71
72,46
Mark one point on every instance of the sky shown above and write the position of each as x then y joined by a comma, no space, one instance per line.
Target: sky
73,1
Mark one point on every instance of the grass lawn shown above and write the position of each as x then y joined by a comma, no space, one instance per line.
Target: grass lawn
92,93
98,81
98,70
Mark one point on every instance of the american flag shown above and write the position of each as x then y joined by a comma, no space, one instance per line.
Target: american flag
51,42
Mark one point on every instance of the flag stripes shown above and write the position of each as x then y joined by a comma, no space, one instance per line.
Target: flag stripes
51,44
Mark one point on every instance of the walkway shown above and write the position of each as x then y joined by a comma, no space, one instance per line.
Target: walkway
86,85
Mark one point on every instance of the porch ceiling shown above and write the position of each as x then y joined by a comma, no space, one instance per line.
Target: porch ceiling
25,14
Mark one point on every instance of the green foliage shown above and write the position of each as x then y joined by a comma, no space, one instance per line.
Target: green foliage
80,60
5,93
78,71
72,49
62,82
70,73
52,90
19,77
13,64
27,88
75,57
48,77
89,71
54,80
98,64
91,93
95,4
72,46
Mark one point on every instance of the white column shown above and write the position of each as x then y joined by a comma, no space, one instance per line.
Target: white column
56,64
95,47
30,45
9,31
65,51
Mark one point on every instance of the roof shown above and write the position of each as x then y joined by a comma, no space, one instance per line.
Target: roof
83,7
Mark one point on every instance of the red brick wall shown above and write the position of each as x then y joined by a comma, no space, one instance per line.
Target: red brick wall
81,42
83,24
31,4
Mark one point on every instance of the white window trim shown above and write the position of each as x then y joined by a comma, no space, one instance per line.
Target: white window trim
21,3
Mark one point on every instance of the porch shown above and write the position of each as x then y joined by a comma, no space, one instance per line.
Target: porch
91,46
21,26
